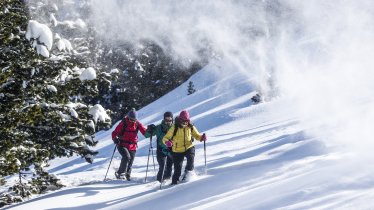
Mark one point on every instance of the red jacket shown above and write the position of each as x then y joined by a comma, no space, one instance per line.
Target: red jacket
130,134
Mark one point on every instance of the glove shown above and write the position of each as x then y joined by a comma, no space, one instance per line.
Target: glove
151,128
169,143
203,137
116,140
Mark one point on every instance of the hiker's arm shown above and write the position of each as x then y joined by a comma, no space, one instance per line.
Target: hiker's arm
196,134
117,130
168,135
142,129
151,131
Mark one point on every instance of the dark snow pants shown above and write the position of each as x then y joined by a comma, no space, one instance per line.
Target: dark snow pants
126,161
178,158
169,165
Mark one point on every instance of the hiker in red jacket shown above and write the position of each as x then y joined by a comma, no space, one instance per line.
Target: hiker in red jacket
126,137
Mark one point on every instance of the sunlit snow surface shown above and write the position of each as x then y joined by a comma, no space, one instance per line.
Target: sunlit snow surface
258,157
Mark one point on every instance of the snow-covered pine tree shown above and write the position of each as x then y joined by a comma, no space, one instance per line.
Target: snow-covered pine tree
144,75
191,88
42,110
145,70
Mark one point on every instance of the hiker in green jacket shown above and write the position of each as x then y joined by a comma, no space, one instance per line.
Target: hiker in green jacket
163,153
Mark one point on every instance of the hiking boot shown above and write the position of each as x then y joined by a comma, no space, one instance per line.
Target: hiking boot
118,175
164,179
159,179
127,177
174,182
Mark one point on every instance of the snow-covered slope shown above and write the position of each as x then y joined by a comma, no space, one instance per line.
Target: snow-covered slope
258,157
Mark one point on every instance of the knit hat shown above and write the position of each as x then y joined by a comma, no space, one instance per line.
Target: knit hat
168,114
132,114
184,116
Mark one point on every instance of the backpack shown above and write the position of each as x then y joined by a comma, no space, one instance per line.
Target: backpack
124,126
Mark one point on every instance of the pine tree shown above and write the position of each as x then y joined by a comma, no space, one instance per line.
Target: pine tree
145,74
42,110
191,88
146,71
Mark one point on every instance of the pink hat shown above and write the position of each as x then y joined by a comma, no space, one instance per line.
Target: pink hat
184,116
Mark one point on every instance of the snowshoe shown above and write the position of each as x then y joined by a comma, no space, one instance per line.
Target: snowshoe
127,176
164,179
188,175
118,175
173,183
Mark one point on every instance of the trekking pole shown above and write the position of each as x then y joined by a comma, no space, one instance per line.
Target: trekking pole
163,171
206,170
149,152
153,157
115,147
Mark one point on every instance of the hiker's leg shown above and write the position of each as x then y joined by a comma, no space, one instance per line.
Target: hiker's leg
160,160
190,156
125,159
131,161
178,161
169,167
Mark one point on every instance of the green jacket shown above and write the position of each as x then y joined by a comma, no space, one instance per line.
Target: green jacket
160,132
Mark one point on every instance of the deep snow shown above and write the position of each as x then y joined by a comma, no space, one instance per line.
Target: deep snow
258,157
